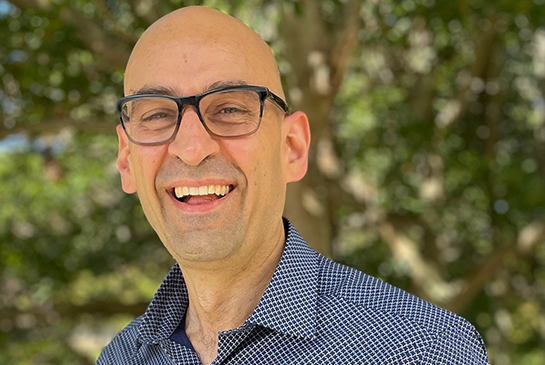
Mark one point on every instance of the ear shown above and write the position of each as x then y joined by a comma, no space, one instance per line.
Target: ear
124,163
296,138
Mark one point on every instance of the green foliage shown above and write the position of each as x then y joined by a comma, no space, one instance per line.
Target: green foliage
465,186
439,128
69,237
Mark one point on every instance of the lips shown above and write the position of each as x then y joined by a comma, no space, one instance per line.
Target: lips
201,194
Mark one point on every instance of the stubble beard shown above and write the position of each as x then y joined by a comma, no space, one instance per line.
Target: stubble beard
204,239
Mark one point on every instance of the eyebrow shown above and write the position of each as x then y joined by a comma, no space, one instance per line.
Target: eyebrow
223,83
159,90
165,90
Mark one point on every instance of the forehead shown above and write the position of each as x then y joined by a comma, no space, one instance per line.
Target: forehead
189,68
194,47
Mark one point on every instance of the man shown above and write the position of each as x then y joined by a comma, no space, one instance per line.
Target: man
208,144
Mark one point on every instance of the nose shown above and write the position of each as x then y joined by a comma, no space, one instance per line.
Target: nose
192,143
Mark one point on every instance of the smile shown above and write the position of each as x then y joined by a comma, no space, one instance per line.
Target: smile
201,194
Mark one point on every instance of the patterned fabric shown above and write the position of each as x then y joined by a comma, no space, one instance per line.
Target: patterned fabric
314,311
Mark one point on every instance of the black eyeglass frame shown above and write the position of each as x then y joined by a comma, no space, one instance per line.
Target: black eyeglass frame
194,100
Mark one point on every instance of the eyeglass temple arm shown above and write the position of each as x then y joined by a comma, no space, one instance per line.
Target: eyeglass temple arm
278,100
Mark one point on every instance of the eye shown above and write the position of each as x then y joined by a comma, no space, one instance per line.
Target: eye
155,116
231,110
159,115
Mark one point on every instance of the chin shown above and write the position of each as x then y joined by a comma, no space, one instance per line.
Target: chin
204,246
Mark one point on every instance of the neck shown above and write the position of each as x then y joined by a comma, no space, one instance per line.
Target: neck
223,295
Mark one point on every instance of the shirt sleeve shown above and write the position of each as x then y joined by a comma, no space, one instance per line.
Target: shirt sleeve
459,346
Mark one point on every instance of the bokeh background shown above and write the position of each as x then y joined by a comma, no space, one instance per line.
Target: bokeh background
427,165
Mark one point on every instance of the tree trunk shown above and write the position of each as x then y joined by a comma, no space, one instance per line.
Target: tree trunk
318,53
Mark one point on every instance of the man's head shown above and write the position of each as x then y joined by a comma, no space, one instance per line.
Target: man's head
188,52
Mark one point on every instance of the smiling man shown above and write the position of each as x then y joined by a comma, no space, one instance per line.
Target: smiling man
207,142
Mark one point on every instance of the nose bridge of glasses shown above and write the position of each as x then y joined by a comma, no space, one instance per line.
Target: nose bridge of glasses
185,103
194,143
188,104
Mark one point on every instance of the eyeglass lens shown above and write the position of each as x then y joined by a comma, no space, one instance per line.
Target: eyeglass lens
228,113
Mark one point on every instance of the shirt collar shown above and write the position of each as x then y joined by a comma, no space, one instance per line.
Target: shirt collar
166,308
289,303
293,290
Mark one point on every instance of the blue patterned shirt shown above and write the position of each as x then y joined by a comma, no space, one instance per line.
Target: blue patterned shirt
314,311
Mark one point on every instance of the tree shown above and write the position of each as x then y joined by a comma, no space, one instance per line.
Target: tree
427,121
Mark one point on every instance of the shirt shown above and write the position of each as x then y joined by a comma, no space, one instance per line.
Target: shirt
314,311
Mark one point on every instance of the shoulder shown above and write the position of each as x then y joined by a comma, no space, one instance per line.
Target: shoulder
123,345
373,310
357,290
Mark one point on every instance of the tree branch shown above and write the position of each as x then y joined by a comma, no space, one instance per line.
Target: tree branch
528,238
457,107
345,43
426,277
44,5
112,51
107,48
106,15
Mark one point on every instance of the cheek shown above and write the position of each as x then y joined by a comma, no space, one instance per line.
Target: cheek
147,162
259,158
267,173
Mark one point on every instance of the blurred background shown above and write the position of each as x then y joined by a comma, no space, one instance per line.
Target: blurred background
427,165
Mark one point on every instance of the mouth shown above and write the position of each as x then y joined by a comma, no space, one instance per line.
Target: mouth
196,195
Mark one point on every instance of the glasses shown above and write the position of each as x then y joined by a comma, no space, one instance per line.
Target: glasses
227,112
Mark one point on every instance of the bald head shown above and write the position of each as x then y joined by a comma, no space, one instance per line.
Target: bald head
194,47
186,53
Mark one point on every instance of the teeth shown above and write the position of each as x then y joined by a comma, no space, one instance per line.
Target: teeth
219,190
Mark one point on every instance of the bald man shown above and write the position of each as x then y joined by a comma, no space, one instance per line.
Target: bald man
208,143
